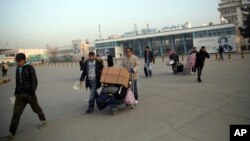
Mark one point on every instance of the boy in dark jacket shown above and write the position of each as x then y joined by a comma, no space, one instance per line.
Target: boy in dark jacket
221,50
149,60
92,70
175,58
200,60
25,92
81,64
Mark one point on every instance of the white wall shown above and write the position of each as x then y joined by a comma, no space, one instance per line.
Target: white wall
118,52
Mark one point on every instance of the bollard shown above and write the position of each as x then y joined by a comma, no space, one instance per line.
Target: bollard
229,56
216,56
242,54
162,58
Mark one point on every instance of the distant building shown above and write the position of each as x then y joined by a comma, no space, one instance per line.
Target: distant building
70,53
80,48
181,40
230,11
33,55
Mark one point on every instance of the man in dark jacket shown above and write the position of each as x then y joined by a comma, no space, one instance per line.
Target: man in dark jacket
200,60
175,58
221,50
25,93
110,60
92,69
149,59
81,64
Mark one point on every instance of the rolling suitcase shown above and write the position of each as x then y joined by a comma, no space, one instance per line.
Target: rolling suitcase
180,67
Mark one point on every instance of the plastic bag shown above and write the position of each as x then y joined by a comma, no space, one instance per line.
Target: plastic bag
130,98
171,62
77,86
13,99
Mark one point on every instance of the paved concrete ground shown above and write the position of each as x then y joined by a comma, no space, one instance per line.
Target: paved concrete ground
171,108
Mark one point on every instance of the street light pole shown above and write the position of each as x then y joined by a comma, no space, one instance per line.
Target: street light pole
4,47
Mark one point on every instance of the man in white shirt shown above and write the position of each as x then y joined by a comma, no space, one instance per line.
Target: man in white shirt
131,63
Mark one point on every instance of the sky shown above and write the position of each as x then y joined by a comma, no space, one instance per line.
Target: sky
36,23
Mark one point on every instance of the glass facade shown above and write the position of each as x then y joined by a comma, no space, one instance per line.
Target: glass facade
182,42
213,33
106,45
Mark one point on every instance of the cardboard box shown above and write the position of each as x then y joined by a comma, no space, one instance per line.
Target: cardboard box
111,75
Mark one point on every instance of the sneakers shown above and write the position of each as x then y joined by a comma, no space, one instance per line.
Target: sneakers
199,80
114,111
43,122
89,111
8,136
136,102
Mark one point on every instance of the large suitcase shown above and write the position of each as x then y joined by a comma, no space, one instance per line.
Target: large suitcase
146,71
180,67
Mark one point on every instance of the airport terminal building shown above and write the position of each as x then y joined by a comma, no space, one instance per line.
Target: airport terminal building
181,40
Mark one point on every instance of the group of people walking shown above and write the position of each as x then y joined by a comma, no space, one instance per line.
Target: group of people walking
91,70
195,62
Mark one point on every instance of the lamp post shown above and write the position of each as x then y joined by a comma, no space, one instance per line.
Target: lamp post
4,47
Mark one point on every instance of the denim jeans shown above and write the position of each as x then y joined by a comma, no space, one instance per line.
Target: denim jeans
113,102
149,69
93,93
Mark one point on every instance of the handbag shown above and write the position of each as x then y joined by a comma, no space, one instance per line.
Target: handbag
77,86
171,62
130,98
